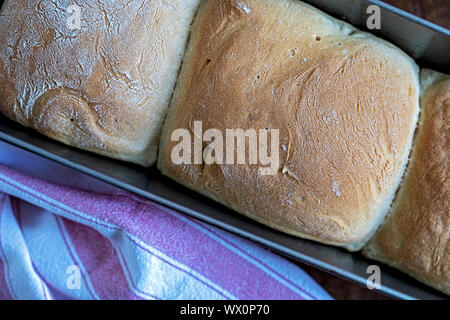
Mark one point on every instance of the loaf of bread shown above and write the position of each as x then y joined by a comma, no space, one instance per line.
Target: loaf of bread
98,75
345,104
415,236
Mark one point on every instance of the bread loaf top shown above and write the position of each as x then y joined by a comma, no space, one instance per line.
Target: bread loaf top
415,236
345,104
103,85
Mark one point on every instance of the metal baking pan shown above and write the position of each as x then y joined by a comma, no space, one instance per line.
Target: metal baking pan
428,43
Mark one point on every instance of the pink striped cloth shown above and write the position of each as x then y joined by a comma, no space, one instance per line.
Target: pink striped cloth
64,235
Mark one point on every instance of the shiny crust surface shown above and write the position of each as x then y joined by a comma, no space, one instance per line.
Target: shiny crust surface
415,236
104,87
345,102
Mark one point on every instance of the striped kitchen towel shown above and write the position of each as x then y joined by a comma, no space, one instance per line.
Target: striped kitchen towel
64,235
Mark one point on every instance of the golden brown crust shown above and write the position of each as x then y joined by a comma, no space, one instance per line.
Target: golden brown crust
345,102
104,87
415,236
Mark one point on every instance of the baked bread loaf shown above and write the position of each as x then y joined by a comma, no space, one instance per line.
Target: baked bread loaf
415,236
103,87
345,103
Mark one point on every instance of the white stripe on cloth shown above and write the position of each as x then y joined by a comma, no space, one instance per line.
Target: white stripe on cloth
176,274
147,269
23,282
287,273
47,245
245,254
142,264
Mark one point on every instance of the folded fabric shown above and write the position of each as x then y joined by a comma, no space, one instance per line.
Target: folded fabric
64,235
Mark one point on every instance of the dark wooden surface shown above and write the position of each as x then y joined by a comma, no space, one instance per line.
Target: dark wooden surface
436,11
